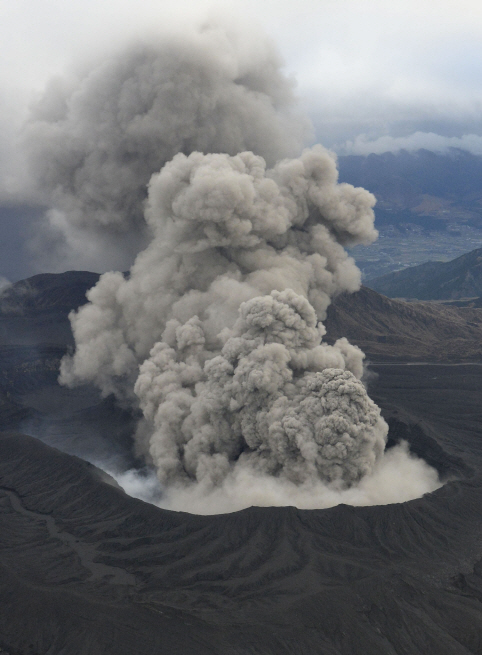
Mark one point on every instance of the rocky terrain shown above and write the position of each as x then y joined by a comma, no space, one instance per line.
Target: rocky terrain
85,569
35,311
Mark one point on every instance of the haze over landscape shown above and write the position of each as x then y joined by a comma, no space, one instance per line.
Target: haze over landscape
181,307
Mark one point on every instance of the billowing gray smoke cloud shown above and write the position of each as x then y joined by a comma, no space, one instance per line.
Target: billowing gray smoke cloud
275,400
216,334
95,139
225,230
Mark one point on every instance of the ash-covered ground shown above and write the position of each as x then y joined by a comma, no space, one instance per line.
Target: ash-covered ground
87,569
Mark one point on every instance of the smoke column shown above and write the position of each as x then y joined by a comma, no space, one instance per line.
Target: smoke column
95,137
216,333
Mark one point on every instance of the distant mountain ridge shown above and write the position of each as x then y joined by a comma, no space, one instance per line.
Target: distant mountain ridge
459,278
422,187
454,173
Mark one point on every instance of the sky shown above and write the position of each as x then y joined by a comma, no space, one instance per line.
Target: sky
372,75
362,66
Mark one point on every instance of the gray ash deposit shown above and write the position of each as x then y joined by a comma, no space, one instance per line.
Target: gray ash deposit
385,579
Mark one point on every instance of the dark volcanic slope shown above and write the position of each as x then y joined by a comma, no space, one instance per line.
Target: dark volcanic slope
393,330
46,291
35,310
86,569
35,333
459,278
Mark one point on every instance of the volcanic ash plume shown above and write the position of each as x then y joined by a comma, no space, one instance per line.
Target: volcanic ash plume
216,332
95,138
274,400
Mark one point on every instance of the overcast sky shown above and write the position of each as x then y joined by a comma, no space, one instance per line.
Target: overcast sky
373,75
363,66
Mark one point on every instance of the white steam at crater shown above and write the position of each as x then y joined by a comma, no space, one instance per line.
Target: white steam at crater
215,335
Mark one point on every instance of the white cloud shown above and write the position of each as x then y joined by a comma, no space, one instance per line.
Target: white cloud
362,145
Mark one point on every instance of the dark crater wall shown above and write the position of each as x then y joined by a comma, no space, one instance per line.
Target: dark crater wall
427,448
85,569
